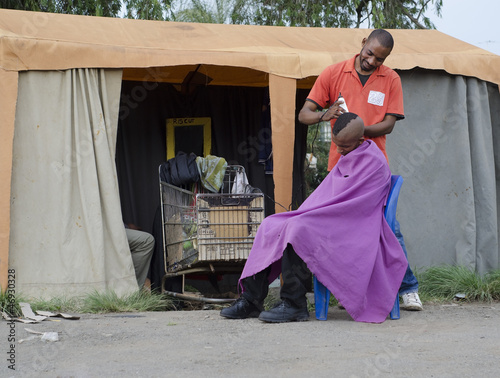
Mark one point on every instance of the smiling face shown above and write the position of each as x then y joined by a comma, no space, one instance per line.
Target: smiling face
372,55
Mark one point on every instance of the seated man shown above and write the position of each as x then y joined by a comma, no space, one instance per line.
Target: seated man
339,233
141,246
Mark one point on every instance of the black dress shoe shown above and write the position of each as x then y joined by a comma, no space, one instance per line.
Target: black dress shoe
285,312
240,309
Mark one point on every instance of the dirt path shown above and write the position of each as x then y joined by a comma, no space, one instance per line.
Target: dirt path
442,341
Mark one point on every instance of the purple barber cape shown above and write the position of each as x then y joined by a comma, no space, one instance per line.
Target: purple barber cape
341,234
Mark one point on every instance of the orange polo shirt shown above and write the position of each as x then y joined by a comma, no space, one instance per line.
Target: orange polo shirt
382,94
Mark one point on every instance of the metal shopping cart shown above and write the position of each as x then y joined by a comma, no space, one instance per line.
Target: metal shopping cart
209,233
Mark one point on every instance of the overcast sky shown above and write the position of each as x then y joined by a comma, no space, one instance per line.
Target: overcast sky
475,21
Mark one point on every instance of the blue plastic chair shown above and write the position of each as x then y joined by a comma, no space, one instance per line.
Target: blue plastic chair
322,294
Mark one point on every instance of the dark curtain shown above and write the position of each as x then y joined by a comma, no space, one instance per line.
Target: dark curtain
299,188
236,115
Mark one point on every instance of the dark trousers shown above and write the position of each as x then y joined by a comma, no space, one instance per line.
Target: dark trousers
296,281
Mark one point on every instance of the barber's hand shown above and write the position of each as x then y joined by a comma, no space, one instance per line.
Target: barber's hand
334,111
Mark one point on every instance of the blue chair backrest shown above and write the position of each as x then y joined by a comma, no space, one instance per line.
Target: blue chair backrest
392,201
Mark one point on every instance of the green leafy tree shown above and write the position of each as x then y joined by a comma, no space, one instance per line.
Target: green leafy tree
140,9
320,150
149,9
397,14
106,8
213,12
317,13
402,14
32,5
393,14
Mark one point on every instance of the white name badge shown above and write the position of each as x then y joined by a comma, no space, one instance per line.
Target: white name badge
376,98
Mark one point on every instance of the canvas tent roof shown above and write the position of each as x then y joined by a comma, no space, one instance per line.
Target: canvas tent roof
44,41
282,58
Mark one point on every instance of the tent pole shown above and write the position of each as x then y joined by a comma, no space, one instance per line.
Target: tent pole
282,92
8,99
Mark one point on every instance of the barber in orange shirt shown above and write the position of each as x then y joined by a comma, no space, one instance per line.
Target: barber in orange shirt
373,91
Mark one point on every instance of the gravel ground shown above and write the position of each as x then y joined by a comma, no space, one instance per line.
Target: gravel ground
444,340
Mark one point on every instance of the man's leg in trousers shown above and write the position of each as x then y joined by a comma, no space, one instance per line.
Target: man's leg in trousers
256,288
141,247
296,277
410,282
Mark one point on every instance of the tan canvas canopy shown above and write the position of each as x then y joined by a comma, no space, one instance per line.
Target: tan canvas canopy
282,58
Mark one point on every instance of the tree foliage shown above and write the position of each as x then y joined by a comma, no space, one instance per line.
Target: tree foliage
398,14
316,13
106,8
213,12
390,14
141,9
149,9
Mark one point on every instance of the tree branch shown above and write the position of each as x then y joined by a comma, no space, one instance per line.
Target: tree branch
410,16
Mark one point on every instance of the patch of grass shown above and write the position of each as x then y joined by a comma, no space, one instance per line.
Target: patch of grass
436,284
140,301
441,284
56,304
9,304
270,301
95,302
444,282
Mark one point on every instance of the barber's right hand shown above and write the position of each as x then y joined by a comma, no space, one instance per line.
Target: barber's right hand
334,111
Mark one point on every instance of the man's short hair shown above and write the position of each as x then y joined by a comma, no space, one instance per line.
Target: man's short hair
383,36
342,122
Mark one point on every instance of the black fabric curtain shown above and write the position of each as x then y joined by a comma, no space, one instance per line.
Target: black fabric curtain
237,135
299,188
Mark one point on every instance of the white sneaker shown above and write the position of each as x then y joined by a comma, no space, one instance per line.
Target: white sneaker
411,302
